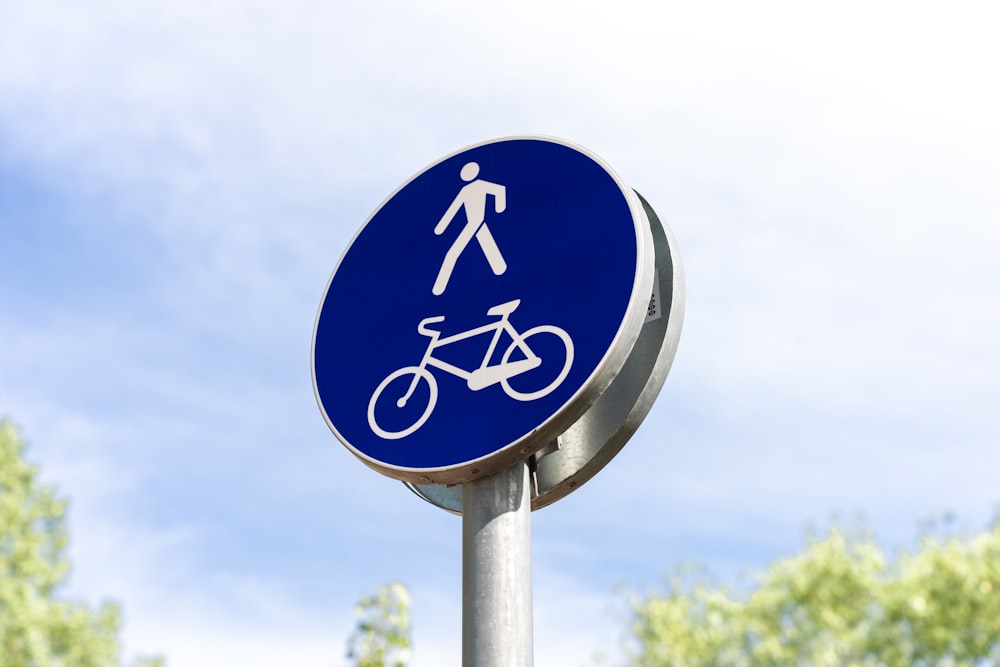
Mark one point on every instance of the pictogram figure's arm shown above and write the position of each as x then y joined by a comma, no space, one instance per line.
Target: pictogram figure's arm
499,193
449,215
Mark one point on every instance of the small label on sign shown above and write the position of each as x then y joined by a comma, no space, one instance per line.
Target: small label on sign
654,310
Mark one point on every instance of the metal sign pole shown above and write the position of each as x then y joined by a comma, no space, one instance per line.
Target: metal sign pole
496,570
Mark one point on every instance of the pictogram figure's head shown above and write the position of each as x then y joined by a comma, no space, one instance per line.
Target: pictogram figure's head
470,171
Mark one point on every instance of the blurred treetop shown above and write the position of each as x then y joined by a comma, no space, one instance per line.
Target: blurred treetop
36,628
841,602
382,635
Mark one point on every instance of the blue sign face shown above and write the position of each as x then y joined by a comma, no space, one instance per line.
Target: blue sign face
481,309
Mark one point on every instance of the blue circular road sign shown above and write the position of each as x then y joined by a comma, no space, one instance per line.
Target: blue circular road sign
481,309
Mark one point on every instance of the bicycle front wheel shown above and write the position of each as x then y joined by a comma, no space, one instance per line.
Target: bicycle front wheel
398,408
551,352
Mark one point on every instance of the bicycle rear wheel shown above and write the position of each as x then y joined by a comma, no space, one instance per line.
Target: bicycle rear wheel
545,370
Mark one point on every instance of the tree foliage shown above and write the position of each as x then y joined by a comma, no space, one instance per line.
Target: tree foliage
36,628
841,602
382,636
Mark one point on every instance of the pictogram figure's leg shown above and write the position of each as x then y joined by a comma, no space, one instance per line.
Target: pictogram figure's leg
451,257
444,274
490,249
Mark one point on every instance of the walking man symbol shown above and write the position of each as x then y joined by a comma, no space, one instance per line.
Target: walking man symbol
472,197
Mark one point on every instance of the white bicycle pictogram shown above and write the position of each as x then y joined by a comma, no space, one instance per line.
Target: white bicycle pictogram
485,375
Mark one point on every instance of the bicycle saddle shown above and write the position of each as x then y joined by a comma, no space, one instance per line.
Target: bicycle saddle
504,308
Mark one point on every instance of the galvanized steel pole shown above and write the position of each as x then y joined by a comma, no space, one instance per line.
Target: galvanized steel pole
496,570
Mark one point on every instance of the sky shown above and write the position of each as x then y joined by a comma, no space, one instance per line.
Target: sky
178,181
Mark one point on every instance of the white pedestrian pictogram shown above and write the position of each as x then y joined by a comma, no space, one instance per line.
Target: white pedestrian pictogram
472,197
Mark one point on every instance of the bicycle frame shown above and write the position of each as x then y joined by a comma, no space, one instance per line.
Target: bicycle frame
437,341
